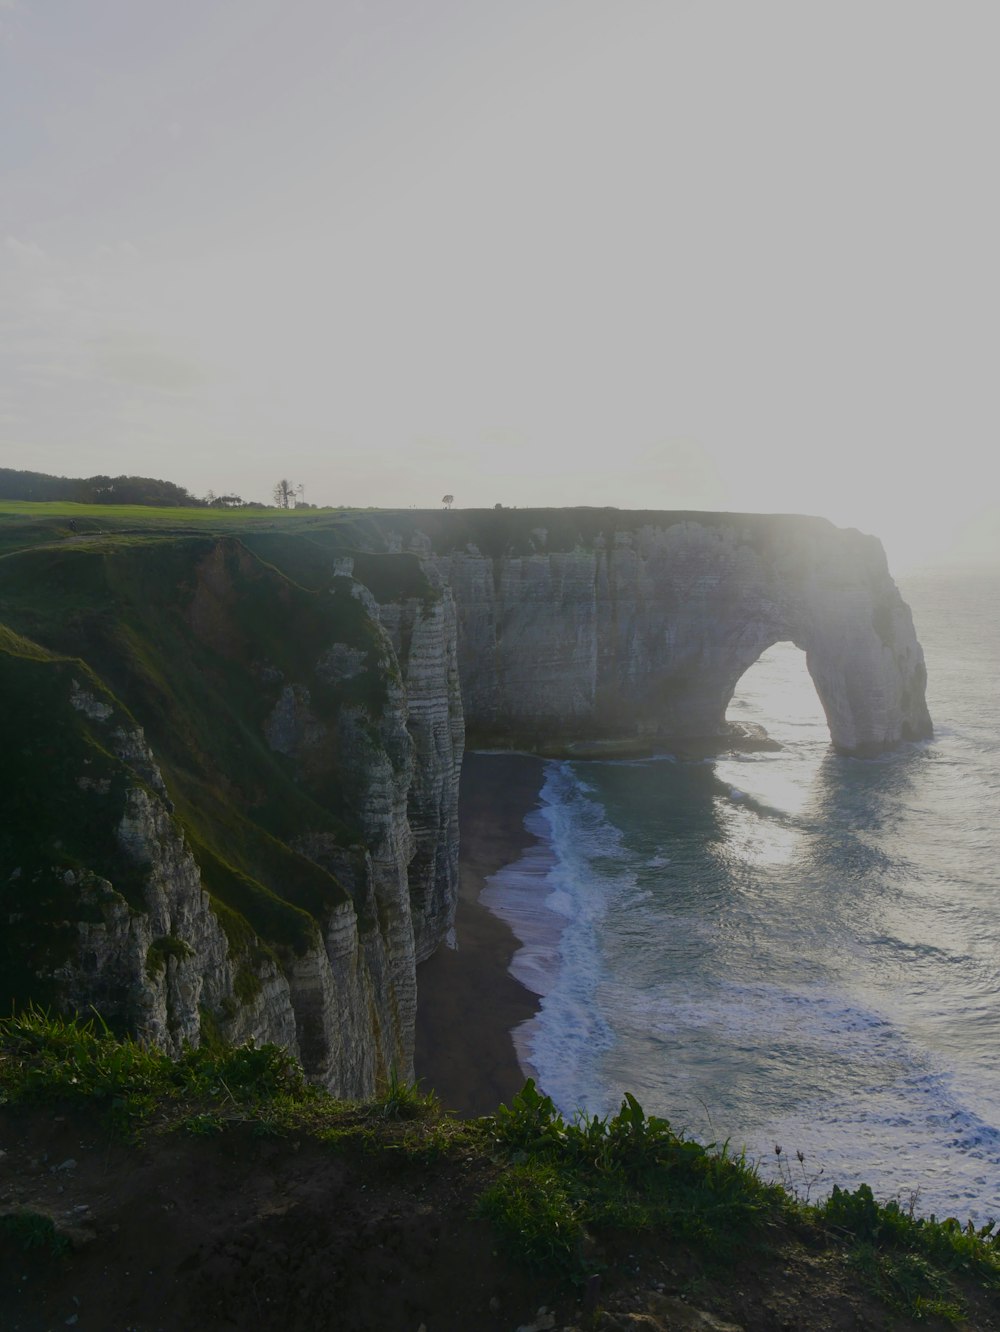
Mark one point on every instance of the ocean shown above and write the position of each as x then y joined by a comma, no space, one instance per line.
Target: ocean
790,949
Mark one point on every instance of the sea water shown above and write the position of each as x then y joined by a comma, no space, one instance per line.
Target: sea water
790,949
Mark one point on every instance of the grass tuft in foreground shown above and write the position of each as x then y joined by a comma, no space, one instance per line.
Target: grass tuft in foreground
47,1057
630,1171
404,1100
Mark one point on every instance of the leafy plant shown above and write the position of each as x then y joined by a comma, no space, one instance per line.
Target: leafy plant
33,1230
531,1121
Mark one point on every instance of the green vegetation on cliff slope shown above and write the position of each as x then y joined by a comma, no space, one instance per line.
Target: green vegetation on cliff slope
195,639
602,1219
62,796
258,679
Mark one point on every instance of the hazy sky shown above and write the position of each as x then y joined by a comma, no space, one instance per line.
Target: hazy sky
734,255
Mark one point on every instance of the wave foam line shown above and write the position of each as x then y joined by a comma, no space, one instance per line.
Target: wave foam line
554,899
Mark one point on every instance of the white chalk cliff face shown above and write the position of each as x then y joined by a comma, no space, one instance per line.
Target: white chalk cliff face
424,636
622,628
344,1004
644,633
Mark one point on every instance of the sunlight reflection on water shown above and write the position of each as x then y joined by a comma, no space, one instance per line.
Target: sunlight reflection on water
794,946
779,689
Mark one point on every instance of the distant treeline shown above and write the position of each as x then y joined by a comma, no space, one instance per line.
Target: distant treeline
39,486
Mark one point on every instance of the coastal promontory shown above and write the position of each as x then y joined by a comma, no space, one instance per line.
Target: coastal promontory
232,743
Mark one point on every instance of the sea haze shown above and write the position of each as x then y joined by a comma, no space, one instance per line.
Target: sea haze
789,948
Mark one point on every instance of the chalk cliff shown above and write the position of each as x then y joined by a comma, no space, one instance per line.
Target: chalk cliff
230,805
640,628
424,634
155,961
244,871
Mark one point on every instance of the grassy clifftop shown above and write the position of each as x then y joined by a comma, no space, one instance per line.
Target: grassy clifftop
495,532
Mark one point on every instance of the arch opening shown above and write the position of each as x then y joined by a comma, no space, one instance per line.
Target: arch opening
778,694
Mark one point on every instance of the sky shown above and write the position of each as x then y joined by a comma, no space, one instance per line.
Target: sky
650,253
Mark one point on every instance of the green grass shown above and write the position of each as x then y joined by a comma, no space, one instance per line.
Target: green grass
48,1059
631,1172
45,1057
495,532
537,1218
404,1100
26,523
556,1191
910,1260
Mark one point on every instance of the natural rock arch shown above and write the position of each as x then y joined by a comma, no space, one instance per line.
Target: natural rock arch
642,633
757,688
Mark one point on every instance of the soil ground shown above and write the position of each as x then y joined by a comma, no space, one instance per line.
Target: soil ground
183,1233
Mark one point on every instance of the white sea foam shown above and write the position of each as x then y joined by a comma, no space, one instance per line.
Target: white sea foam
803,952
555,899
863,1102
519,895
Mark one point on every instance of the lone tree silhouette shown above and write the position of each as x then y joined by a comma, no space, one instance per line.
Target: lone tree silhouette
284,494
447,500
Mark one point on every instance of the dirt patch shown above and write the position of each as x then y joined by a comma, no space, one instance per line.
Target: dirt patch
239,1230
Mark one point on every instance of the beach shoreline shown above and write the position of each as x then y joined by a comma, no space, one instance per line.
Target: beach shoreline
468,1004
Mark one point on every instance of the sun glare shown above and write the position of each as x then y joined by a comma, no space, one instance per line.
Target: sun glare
778,694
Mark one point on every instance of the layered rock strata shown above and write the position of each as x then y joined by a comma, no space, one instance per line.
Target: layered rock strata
325,730
424,635
307,937
356,1010
643,633
161,965
158,961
